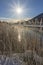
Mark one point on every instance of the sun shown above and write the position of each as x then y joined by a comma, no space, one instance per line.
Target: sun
19,10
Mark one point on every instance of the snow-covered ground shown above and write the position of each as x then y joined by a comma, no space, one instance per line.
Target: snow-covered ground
14,60
26,58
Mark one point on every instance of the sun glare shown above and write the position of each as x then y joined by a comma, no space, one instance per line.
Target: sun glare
16,9
19,10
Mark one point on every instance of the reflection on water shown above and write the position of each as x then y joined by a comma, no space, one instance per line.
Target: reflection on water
19,37
19,34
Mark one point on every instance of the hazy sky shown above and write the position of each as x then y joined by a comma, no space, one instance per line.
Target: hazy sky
30,8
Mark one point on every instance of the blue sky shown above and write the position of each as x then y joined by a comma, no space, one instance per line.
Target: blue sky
31,8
